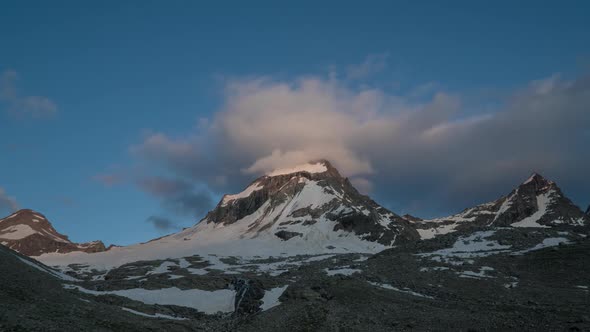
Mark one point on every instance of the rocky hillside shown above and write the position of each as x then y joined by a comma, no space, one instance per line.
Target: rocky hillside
34,297
31,234
290,202
536,203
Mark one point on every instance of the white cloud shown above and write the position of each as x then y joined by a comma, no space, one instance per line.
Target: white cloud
373,63
404,150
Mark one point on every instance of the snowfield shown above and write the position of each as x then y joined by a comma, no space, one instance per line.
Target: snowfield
17,232
209,302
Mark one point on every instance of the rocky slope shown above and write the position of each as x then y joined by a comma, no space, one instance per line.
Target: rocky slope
494,279
537,203
31,234
288,202
33,298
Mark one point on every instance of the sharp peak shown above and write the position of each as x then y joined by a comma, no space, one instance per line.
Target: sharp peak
537,178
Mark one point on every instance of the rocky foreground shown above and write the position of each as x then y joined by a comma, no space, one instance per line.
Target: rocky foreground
490,280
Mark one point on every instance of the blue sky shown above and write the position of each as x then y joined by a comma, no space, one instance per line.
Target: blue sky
117,73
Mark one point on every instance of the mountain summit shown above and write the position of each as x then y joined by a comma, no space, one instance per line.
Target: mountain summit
31,234
310,202
536,203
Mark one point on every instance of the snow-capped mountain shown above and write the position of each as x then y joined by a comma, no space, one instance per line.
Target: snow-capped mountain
311,202
537,202
31,234
308,209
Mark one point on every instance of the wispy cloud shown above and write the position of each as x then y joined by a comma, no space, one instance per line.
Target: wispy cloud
373,64
109,179
7,203
23,105
178,196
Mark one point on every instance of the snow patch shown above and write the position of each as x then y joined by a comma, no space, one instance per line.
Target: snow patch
474,245
309,168
209,302
271,298
156,315
17,232
547,243
531,221
435,231
342,271
47,270
246,193
405,290
163,268
505,206
476,275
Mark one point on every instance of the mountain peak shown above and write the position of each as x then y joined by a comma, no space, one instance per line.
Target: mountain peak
30,233
538,180
536,203
312,203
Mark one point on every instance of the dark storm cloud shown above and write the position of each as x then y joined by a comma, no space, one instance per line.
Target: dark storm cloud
425,157
178,196
163,187
163,224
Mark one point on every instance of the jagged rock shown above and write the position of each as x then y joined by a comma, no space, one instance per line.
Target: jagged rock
411,217
284,235
537,202
306,197
248,296
540,199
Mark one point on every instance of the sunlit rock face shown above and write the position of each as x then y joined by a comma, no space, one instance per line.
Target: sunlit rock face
31,234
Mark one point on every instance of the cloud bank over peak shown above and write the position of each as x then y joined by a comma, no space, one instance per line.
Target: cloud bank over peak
410,153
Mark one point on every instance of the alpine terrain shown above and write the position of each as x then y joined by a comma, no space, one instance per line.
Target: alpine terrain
301,249
536,203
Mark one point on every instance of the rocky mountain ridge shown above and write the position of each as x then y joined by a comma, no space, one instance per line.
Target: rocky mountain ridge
306,195
30,233
536,203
